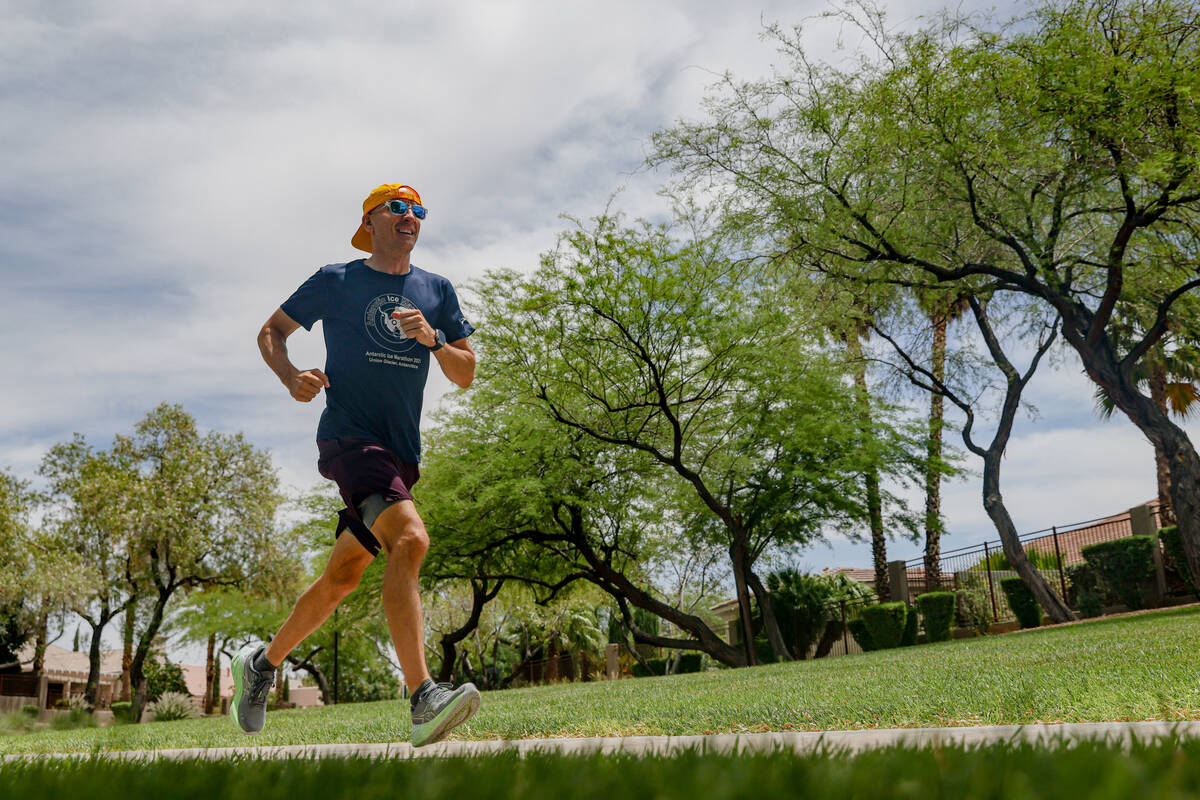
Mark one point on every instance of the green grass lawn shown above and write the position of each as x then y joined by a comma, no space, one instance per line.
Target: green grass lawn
1164,770
1127,668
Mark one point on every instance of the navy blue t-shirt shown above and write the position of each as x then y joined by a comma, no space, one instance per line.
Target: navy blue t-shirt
376,372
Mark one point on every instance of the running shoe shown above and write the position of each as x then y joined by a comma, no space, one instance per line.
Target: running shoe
440,710
249,705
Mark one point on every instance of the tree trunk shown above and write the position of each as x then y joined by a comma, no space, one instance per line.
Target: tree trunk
312,669
127,650
1101,364
210,673
40,641
770,624
137,677
933,475
737,557
480,596
871,477
833,632
1162,468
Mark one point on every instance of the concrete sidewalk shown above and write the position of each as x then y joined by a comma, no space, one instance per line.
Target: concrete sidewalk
1120,734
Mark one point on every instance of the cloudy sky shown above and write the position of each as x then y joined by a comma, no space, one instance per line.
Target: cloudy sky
170,172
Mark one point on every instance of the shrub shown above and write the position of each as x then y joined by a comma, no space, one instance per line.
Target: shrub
654,666
171,706
1173,547
974,608
1124,566
1022,602
1084,591
858,629
885,622
75,718
937,611
909,638
122,711
689,662
162,677
30,711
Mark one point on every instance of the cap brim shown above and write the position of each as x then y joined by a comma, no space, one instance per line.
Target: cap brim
362,240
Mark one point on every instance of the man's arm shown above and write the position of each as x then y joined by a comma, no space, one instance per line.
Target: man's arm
456,358
272,343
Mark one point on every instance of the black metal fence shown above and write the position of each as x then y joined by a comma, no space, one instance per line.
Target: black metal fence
975,572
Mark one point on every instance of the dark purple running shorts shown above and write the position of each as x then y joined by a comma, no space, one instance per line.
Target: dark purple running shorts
361,468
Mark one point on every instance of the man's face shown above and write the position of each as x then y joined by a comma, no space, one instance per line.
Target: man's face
390,231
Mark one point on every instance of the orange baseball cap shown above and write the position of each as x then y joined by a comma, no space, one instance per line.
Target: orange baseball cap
378,196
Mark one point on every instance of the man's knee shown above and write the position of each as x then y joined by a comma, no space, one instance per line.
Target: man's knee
342,579
402,532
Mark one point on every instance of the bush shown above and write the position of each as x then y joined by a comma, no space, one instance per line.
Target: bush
937,611
122,711
910,628
858,629
1084,591
974,608
886,623
163,677
1022,602
1125,567
1173,547
689,662
75,718
30,711
172,706
654,666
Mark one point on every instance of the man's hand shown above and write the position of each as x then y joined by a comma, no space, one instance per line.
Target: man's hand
413,322
306,385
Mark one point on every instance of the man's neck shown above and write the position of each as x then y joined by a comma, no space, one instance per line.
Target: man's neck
391,263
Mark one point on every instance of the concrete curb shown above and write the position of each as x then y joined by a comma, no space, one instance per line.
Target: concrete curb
1120,734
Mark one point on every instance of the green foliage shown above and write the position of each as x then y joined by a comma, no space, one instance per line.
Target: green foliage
998,561
163,677
804,604
1022,602
974,606
1084,591
1173,548
1125,567
172,706
122,711
909,638
689,662
886,623
858,629
30,711
937,612
73,718
653,666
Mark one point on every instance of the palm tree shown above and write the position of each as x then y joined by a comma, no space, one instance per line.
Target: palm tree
941,311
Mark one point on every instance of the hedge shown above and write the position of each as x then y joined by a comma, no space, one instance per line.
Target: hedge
937,611
1022,602
886,623
1084,591
1125,566
858,629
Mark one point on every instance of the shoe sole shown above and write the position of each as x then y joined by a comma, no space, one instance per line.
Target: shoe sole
451,717
237,667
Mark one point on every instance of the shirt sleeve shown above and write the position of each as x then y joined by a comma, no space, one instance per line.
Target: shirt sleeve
307,304
451,321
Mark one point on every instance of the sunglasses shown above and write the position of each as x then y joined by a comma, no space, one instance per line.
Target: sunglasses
399,207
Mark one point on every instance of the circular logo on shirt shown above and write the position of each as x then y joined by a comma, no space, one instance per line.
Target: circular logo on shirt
383,328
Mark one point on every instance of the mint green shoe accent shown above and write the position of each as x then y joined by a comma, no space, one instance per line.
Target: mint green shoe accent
248,708
441,711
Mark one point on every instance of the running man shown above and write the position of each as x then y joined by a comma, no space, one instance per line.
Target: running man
384,320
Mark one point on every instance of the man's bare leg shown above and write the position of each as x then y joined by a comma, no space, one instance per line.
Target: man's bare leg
403,535
342,573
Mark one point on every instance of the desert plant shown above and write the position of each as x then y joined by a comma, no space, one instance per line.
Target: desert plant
1022,602
937,611
1124,566
172,706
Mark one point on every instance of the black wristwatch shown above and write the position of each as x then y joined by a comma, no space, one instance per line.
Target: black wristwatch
440,343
